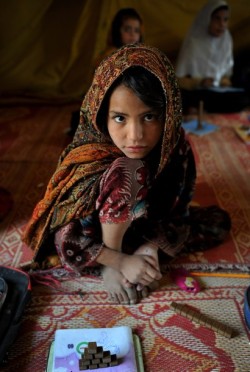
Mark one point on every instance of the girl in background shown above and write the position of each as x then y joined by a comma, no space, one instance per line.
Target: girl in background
206,57
126,28
205,62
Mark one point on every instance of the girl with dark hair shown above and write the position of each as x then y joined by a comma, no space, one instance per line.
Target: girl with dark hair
126,28
205,62
118,202
206,55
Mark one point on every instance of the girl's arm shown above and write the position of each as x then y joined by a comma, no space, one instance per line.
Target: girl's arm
137,269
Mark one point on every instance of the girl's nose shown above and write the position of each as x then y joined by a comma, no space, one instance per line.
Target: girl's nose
223,22
135,131
133,31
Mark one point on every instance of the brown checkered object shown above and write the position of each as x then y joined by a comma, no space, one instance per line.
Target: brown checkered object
94,357
202,319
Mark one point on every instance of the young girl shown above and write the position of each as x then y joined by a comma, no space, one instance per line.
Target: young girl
205,62
119,198
126,28
206,55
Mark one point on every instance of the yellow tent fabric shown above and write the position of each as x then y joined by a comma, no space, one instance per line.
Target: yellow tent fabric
48,47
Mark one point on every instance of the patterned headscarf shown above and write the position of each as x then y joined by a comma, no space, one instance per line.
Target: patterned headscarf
73,189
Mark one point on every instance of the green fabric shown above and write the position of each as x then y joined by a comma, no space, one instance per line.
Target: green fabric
48,47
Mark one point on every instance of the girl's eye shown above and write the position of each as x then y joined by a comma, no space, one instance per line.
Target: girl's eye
149,117
119,119
127,29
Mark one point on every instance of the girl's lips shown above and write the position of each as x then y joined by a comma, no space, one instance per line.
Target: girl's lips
135,148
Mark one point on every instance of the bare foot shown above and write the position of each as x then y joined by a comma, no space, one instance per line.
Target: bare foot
119,293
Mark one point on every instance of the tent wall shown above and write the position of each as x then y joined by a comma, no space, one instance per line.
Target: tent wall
47,47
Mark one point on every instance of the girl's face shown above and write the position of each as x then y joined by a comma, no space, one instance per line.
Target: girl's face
218,23
133,127
130,31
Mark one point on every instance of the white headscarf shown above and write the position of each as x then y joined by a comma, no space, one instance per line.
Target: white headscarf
203,55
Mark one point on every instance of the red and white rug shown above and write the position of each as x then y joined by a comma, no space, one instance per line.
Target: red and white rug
31,140
170,342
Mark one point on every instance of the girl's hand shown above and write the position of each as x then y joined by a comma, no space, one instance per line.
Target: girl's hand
207,82
139,269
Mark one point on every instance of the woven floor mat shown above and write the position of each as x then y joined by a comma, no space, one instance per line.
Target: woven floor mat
169,341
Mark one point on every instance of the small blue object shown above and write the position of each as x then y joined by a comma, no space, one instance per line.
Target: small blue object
247,307
192,127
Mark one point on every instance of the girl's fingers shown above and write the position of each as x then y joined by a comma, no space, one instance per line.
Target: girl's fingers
151,260
139,287
153,273
149,278
127,283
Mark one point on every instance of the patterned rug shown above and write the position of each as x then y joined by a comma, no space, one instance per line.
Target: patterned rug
223,164
6,203
170,342
31,139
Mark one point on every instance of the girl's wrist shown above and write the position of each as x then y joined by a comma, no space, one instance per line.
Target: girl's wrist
150,244
109,257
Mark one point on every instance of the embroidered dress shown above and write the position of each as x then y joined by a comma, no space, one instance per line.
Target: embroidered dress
95,183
